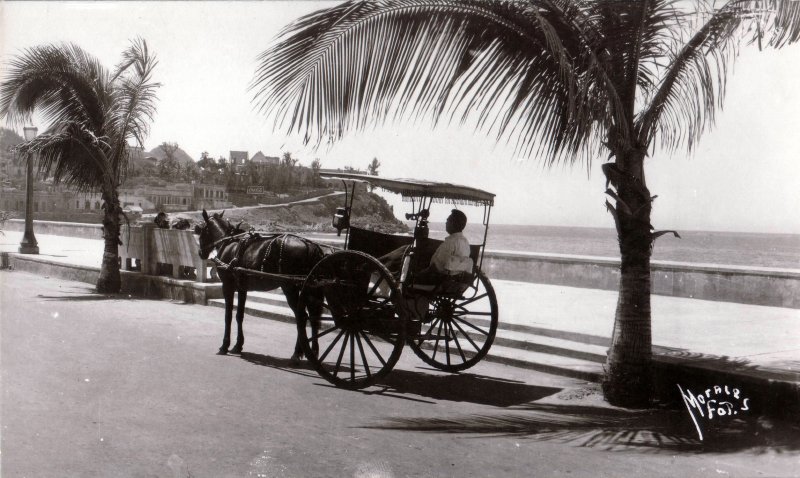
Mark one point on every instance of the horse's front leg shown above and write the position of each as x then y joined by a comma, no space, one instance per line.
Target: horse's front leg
228,290
237,349
314,308
292,295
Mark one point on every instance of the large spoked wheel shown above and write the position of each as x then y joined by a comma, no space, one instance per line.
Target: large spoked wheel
458,331
361,333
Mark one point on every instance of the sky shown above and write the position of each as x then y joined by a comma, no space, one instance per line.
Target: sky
743,176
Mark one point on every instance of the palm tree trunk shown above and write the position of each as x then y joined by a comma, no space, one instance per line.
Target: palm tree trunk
109,281
628,374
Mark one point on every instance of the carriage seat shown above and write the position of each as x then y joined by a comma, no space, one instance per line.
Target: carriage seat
377,244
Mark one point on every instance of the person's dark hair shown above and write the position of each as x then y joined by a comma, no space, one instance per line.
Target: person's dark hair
161,220
459,220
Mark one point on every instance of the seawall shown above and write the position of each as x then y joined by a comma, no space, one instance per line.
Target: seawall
746,285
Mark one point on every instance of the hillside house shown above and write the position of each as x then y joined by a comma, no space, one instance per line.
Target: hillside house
260,159
238,159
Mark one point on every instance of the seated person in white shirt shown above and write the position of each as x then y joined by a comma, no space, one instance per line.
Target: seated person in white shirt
452,256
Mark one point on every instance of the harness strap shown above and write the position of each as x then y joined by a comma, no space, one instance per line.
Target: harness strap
244,241
247,238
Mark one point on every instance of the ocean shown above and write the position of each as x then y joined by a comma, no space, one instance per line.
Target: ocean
725,248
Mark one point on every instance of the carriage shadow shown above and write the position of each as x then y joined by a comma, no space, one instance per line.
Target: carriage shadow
461,387
419,386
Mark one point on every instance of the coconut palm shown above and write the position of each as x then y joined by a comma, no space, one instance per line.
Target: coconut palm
562,80
92,114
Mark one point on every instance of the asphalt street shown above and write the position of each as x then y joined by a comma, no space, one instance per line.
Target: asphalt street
107,386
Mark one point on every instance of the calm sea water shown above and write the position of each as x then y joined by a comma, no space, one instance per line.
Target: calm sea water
727,248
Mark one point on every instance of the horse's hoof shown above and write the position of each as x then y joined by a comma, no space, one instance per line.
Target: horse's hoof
295,359
222,351
235,350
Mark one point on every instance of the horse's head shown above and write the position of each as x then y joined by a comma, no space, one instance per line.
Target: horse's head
214,229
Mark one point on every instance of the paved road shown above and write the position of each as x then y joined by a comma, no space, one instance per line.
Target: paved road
96,386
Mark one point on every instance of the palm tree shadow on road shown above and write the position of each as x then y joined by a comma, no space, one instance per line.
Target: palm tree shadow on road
525,416
84,294
84,297
614,429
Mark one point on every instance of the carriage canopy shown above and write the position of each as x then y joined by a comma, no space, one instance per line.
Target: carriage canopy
416,189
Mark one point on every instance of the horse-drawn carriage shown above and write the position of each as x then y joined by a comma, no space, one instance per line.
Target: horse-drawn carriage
355,315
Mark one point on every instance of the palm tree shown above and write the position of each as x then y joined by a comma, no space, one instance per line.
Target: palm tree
92,114
562,80
372,167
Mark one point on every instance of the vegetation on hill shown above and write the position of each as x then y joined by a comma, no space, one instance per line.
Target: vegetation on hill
370,211
168,150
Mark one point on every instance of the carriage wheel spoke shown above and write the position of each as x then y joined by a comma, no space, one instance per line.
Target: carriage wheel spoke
427,332
471,325
376,286
330,347
363,355
466,336
473,299
326,332
436,344
458,346
352,357
374,350
447,331
341,355
467,312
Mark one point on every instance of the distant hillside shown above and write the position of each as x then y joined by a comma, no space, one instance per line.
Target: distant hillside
181,155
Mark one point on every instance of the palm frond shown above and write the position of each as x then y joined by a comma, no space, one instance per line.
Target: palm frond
73,155
92,114
511,66
62,82
134,100
693,87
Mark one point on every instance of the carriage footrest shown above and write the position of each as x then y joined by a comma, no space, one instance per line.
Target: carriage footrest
430,336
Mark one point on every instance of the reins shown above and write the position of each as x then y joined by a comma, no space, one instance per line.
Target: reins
221,241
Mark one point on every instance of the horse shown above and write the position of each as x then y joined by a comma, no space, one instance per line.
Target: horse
272,253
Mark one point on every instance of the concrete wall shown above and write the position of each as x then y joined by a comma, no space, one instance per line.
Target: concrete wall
56,228
746,285
134,283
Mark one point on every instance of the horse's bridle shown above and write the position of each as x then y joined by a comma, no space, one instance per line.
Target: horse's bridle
206,251
229,236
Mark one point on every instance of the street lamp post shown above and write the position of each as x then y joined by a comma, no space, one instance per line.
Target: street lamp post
29,244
